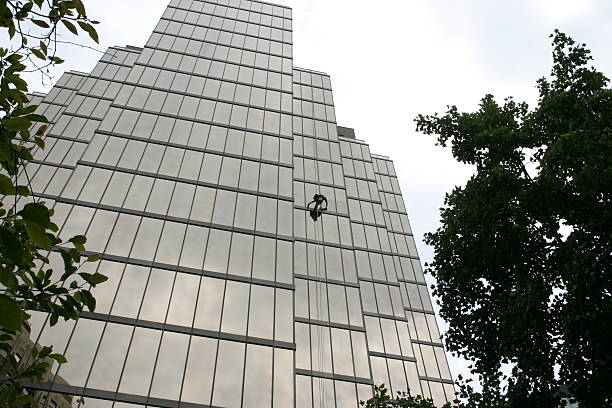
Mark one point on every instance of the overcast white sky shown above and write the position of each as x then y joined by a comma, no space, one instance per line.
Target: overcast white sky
392,60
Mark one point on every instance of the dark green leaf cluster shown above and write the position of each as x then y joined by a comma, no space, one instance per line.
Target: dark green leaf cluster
381,399
523,259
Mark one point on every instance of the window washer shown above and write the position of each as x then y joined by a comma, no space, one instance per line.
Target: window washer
319,207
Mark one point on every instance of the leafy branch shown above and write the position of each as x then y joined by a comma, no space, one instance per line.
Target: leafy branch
28,237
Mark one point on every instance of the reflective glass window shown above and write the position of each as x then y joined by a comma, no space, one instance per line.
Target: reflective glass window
228,374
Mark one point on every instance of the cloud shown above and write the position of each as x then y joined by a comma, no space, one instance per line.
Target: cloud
561,11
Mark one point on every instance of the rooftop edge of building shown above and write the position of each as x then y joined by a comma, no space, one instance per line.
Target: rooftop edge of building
312,71
271,4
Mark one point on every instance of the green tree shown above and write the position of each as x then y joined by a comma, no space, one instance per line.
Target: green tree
27,234
523,259
381,399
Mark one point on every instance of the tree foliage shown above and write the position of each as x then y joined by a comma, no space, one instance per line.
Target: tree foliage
27,233
523,259
381,399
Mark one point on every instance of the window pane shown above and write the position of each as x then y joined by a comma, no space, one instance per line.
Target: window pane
81,351
131,290
199,371
264,252
283,378
194,247
110,357
217,252
183,303
258,377
210,302
284,316
170,365
146,240
261,309
170,243
157,295
139,364
241,255
228,375
235,308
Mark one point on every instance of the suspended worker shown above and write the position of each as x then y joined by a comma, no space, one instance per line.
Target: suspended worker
319,207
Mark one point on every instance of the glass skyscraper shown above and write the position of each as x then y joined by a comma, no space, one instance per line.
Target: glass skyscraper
188,164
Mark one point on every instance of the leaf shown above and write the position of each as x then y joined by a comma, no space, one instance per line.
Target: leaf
22,191
70,27
38,235
41,23
59,358
78,240
36,212
17,124
93,258
24,152
46,350
87,299
14,58
11,246
11,317
27,7
36,370
16,67
39,142
93,279
75,253
39,54
8,279
80,8
88,28
6,185
11,30
37,118
24,111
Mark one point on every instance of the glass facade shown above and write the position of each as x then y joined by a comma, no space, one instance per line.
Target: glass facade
189,164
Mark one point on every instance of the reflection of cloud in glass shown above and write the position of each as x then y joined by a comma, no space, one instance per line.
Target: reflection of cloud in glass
81,351
235,308
129,295
111,355
258,377
200,369
105,293
210,302
170,365
283,377
157,296
183,303
140,361
228,375
261,312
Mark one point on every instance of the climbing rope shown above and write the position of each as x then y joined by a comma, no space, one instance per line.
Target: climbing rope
320,205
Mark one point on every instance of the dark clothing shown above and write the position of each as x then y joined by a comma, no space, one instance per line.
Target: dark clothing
318,208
